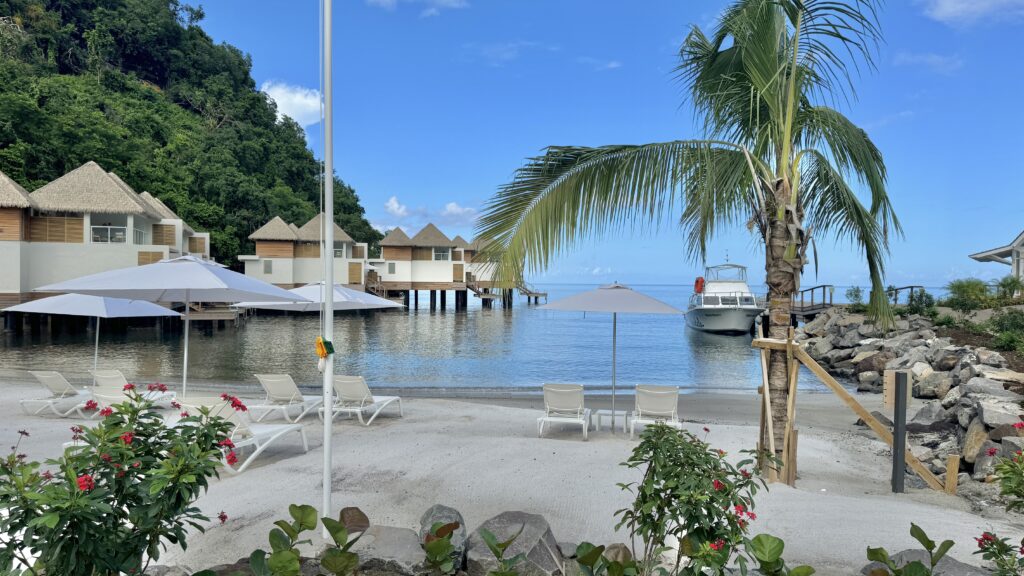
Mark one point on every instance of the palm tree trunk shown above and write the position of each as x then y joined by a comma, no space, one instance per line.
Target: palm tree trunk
783,279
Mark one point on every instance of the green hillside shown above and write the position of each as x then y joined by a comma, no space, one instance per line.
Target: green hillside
140,88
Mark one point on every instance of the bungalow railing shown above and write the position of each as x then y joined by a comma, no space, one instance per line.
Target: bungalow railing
109,234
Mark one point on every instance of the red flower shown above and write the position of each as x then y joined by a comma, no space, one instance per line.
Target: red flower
175,404
706,429
717,544
128,387
986,540
91,405
1018,425
184,413
751,515
222,517
741,523
718,485
992,451
47,475
105,457
106,411
235,402
745,473
158,387
721,453
77,432
226,443
231,458
136,464
86,483
127,437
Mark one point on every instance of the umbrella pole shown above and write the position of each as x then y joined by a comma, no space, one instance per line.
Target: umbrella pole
615,326
96,352
184,370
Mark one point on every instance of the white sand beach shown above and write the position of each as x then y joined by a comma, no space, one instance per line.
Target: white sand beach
484,457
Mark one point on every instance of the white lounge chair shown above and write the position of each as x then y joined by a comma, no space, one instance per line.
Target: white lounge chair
656,404
353,396
285,397
64,398
109,390
563,404
245,434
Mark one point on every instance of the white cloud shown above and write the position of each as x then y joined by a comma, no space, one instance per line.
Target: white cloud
455,215
385,228
599,65
965,12
297,102
599,271
429,7
938,63
395,208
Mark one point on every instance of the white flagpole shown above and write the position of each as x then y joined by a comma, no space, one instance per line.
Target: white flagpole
328,255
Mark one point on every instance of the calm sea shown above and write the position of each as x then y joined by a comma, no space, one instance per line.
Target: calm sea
479,348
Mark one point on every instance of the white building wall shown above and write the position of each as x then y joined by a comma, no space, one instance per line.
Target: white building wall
482,271
51,262
13,266
431,271
282,270
403,271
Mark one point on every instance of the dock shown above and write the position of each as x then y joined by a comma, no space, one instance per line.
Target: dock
810,302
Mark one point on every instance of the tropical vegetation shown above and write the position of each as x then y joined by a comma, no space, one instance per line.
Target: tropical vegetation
774,156
121,493
140,88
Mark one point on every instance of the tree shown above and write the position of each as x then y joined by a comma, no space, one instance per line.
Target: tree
774,155
1009,286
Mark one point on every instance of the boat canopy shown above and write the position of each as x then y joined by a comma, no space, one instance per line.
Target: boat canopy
726,273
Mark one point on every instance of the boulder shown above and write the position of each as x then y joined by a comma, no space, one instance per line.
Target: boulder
850,319
975,437
920,370
874,363
996,412
849,339
869,381
166,571
965,411
947,566
991,358
390,549
536,543
980,385
868,331
818,326
946,359
985,461
818,347
1000,374
902,325
838,355
952,397
882,418
1011,445
931,417
446,515
1000,433
926,334
934,385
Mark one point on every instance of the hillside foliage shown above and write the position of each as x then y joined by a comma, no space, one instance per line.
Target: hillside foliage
140,88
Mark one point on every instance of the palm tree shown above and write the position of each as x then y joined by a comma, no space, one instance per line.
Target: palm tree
1009,286
774,156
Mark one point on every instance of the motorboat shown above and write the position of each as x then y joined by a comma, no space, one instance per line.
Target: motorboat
722,302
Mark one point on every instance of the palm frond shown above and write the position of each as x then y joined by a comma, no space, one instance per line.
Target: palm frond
832,207
570,193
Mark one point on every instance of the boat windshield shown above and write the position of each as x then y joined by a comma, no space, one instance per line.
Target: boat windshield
726,272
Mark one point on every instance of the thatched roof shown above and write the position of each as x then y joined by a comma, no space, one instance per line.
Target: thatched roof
431,236
294,228
396,238
12,195
461,243
478,244
310,231
276,229
163,210
89,189
150,211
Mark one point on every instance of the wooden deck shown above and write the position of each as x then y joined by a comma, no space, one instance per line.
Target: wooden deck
810,302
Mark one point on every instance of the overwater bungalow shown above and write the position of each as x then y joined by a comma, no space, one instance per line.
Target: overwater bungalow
1011,255
289,256
87,221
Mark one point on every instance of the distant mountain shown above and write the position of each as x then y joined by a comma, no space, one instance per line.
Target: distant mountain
140,88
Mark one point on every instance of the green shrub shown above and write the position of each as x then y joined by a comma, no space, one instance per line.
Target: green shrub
1008,320
115,499
921,302
506,566
1007,341
855,295
1008,286
967,294
766,551
438,547
945,320
689,493
915,568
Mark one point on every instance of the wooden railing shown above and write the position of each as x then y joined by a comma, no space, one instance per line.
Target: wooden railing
894,293
817,297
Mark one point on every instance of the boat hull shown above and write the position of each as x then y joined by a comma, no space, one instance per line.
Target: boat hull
722,320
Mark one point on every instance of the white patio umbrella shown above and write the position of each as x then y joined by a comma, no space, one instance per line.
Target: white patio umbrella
97,307
313,300
614,299
185,279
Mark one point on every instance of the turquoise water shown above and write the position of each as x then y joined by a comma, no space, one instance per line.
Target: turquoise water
495,348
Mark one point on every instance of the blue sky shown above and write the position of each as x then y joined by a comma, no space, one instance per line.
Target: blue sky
439,101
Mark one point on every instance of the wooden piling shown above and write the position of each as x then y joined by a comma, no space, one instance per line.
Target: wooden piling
444,299
433,299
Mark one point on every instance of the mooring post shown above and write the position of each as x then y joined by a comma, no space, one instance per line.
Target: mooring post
899,433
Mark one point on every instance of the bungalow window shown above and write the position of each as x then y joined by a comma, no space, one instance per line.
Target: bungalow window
391,267
268,266
442,253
